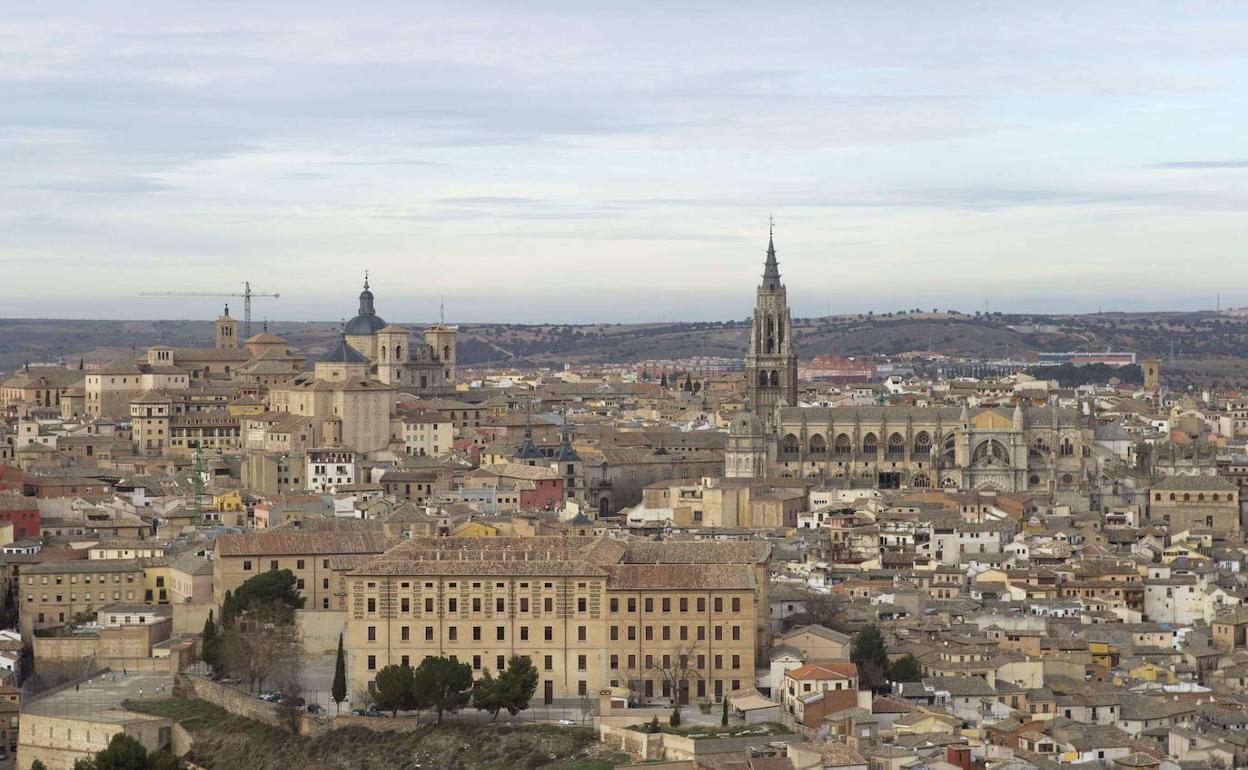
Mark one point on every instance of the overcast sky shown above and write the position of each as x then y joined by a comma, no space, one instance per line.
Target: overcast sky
618,161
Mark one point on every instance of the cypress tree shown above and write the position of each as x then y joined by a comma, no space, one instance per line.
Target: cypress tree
339,689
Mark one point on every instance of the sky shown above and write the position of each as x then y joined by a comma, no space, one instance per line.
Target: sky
592,161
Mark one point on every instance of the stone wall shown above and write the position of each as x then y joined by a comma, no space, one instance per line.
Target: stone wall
60,649
319,630
233,701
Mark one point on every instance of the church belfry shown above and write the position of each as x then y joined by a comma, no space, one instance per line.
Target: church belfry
771,364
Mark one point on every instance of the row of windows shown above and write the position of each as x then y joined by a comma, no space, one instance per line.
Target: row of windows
1200,497
582,663
582,604
86,597
548,633
60,579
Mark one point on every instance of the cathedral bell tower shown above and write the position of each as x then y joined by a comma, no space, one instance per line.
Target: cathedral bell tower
771,364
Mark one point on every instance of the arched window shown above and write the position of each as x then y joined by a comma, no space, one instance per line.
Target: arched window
896,445
771,335
762,378
398,352
989,453
1033,479
1068,448
923,444
1200,498
870,444
921,481
842,444
1187,498
775,378
383,352
790,445
818,445
446,352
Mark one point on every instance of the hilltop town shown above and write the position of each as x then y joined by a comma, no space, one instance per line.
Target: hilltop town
898,560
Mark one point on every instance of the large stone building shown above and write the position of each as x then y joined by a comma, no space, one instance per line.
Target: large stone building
591,613
1020,449
426,368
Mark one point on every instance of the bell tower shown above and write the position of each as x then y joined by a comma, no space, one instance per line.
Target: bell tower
227,330
771,364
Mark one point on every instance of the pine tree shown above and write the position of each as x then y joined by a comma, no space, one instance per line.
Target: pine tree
870,655
723,720
675,720
339,689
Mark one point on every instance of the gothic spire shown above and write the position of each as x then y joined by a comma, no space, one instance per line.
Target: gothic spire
366,299
771,268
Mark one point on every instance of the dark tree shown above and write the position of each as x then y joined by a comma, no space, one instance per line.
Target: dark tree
870,655
338,691
126,753
275,588
516,684
486,695
443,685
905,669
675,720
395,689
210,644
723,719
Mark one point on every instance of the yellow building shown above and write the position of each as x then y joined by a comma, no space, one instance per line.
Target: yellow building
305,553
589,612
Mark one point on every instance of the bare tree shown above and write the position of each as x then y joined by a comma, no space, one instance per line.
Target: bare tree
678,668
263,646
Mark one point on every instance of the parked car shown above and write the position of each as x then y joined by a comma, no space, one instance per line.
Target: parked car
368,713
566,722
313,708
272,696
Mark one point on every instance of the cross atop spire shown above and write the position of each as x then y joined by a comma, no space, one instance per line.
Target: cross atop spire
366,280
771,268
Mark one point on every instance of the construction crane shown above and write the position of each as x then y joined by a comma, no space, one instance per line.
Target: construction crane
246,294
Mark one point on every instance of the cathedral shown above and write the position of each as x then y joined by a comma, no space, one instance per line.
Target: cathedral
426,368
1038,449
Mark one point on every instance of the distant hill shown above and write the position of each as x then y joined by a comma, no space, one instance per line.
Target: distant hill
1209,345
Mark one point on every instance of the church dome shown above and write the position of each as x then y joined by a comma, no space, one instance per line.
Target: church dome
367,322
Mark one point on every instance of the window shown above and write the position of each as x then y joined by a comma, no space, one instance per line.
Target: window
372,662
372,633
736,604
667,604
372,604
476,604
524,633
405,633
548,604
649,604
580,662
615,604
580,633
299,564
524,605
452,605
428,605
428,633
548,633
476,633
580,604
246,565
548,663
632,604
499,663
500,633
615,633
719,604
405,604
452,633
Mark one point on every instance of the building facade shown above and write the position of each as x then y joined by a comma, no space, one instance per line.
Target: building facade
684,621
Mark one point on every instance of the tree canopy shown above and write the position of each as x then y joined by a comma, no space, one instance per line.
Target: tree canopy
870,655
395,689
443,685
905,669
511,690
126,753
274,589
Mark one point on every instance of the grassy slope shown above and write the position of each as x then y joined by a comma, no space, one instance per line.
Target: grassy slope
225,741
